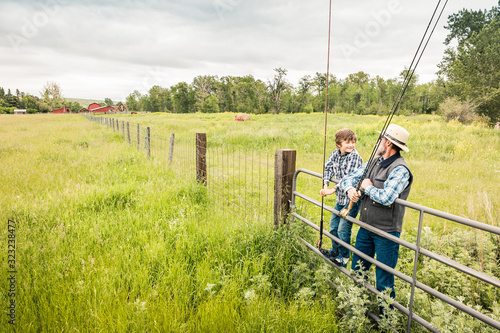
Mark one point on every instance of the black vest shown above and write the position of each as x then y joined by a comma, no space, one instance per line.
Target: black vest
386,218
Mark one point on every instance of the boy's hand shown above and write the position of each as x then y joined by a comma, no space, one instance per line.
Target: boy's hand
325,191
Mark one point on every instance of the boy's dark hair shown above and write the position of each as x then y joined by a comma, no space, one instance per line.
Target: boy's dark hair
344,134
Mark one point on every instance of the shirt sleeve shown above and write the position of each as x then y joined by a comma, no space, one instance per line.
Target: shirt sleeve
398,180
329,165
351,180
355,163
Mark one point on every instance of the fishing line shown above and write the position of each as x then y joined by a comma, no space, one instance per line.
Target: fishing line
320,241
404,86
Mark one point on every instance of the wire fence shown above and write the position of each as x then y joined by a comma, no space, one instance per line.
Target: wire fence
239,180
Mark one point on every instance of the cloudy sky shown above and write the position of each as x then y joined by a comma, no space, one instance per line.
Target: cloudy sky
98,49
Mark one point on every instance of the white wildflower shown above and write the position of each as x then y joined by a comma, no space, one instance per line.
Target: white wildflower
209,288
249,295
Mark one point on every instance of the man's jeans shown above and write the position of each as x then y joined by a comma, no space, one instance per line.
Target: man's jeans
341,228
387,252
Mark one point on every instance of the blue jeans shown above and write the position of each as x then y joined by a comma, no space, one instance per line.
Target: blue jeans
341,228
387,252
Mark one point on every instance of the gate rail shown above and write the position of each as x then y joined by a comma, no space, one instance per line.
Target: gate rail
415,247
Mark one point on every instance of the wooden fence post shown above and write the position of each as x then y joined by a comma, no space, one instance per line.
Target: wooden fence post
138,138
284,169
113,125
128,132
171,148
148,141
123,129
201,158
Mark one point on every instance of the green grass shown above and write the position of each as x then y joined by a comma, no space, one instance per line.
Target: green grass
110,241
456,168
107,240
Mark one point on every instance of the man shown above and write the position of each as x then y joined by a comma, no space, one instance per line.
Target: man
389,179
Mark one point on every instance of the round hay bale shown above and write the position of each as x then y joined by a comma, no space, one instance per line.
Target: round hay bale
242,117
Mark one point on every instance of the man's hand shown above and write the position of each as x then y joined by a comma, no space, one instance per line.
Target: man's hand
353,195
365,183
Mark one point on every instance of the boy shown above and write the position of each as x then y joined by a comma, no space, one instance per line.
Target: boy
342,161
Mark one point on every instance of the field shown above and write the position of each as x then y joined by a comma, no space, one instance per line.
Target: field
107,240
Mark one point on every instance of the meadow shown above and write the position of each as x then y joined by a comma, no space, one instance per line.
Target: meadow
107,240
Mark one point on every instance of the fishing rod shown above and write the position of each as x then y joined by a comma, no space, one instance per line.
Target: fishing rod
320,241
395,106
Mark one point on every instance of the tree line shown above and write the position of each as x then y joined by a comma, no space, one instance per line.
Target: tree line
51,99
358,93
467,87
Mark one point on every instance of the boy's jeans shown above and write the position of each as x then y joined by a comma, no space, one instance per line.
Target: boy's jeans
341,228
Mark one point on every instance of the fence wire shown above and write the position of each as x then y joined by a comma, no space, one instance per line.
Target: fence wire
239,180
183,159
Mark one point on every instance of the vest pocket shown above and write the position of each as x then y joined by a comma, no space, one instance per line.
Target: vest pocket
380,215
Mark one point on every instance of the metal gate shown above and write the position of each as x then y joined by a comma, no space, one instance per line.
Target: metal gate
415,247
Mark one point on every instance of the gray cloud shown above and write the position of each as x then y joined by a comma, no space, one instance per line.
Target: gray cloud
100,49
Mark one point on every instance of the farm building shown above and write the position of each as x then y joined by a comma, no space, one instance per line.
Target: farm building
84,110
102,109
120,108
61,110
20,111
93,106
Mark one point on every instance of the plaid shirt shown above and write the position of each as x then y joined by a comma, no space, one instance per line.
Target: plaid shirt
398,180
338,166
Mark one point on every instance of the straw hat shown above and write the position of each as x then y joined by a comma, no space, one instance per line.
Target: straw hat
397,135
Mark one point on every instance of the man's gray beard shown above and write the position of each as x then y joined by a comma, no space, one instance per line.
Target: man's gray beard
380,150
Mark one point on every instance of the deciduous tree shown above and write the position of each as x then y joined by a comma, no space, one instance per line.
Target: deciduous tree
473,68
52,95
276,86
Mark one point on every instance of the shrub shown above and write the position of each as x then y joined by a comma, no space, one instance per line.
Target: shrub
308,108
6,110
454,109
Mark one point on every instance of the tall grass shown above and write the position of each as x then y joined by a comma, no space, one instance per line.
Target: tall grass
108,241
456,169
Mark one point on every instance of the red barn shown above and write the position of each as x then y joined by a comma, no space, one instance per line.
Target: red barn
93,106
61,110
102,109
